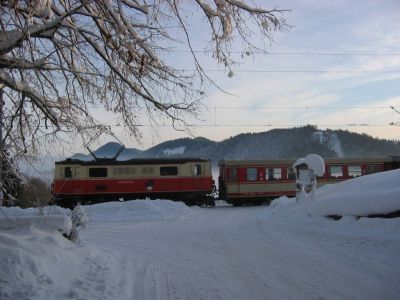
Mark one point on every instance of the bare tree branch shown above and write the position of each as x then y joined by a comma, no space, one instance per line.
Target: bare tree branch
59,59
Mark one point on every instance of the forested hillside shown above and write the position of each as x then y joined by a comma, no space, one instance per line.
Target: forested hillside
279,143
273,144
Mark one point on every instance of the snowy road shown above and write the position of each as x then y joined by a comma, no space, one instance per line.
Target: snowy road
238,253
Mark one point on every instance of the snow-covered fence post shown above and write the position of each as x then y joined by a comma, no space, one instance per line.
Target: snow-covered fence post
79,219
307,169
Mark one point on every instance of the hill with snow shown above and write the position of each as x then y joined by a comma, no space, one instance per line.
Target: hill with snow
273,144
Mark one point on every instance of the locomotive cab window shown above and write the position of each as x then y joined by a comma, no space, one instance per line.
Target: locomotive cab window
97,172
251,174
273,173
197,170
168,171
68,172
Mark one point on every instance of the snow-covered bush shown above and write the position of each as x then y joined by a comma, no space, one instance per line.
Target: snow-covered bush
79,220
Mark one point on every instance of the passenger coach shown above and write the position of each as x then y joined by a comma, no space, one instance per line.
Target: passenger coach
258,181
187,180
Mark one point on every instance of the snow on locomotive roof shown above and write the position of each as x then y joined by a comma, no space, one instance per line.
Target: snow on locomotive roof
135,161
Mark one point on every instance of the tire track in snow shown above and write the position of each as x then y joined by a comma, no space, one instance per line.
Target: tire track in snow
138,281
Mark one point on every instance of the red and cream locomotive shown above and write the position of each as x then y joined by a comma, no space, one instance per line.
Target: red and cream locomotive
183,179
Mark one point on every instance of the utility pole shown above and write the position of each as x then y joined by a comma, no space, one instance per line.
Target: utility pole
1,145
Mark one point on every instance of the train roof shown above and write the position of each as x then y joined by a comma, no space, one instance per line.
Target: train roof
135,161
291,161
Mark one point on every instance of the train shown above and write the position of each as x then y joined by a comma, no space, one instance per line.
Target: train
181,179
240,182
259,181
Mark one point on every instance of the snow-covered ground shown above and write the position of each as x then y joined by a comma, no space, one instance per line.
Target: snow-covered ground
164,250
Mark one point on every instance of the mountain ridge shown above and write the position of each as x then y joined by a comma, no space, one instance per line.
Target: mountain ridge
273,144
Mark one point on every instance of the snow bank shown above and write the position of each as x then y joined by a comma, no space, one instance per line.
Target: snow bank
367,195
48,210
363,196
26,256
136,211
50,217
60,223
38,263
115,212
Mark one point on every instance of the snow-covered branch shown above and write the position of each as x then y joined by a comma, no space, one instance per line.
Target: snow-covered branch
22,87
60,58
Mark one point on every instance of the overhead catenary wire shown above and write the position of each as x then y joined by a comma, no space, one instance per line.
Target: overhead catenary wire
305,53
296,53
298,71
213,122
267,107
255,125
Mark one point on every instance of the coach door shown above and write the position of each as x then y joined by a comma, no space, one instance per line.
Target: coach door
233,186
197,176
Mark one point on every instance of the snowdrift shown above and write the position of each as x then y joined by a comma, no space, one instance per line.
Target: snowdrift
35,258
368,195
136,211
374,194
60,223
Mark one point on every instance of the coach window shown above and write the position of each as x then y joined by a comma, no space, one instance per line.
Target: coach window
354,171
273,173
197,170
336,171
68,172
233,174
291,174
251,174
97,172
372,169
168,171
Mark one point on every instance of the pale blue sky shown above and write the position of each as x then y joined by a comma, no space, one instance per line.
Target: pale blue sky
346,72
